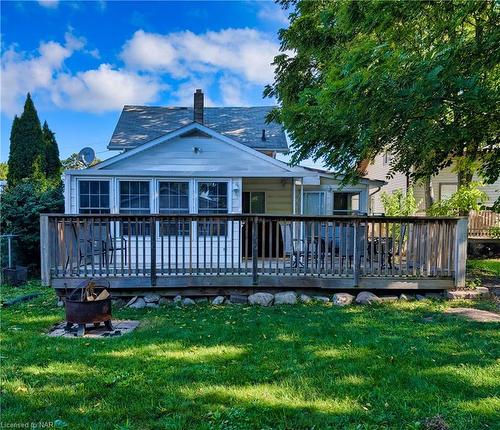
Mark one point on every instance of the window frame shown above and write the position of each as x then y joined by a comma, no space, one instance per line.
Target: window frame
159,181
323,198
224,230
447,184
147,230
78,199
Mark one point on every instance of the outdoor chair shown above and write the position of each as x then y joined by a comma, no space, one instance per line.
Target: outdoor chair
292,247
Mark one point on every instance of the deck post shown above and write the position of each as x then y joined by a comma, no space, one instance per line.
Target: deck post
255,250
460,251
356,254
44,250
153,252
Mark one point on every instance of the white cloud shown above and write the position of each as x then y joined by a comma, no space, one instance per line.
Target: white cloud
244,52
51,4
22,73
96,90
104,89
270,11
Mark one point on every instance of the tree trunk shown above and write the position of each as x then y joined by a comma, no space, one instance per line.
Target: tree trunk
428,193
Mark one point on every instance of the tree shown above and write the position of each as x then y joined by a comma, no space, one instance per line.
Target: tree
53,164
73,162
27,146
4,169
22,205
417,79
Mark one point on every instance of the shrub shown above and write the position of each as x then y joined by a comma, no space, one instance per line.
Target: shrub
21,207
399,204
467,198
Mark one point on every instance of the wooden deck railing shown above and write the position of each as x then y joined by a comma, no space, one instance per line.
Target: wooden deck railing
255,251
483,223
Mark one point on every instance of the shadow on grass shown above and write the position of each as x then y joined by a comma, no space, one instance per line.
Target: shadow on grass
241,367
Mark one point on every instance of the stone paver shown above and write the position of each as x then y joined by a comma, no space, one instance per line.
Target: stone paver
474,314
120,327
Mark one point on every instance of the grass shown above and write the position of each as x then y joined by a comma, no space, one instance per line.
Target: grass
489,268
241,367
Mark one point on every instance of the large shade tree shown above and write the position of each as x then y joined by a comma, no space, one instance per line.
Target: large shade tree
418,79
53,164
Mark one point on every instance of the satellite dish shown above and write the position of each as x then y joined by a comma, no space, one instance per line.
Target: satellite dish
86,156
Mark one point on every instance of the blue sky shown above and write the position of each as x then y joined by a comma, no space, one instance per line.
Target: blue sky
82,61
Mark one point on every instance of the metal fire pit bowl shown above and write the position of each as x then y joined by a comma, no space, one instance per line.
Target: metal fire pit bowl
82,312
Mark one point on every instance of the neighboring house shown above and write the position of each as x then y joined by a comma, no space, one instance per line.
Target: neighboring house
177,160
443,185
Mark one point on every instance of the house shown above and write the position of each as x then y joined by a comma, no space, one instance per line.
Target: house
196,198
443,185
205,160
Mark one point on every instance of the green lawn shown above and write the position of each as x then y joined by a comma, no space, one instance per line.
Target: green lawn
240,367
489,268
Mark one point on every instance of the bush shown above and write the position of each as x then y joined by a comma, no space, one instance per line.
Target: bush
399,204
21,207
467,198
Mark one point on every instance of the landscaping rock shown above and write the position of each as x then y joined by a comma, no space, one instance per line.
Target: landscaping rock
366,298
342,299
177,300
201,300
152,305
285,298
420,297
219,300
406,297
388,298
164,301
261,299
478,293
188,302
118,303
238,298
139,303
437,296
304,298
152,298
131,301
321,299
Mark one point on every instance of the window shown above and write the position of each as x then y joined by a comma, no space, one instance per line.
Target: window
134,200
314,203
174,199
446,190
345,203
94,197
254,202
212,199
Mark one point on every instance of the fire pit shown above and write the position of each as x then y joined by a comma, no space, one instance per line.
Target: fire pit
88,304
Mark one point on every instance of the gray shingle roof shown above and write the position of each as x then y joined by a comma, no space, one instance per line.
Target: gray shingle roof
141,124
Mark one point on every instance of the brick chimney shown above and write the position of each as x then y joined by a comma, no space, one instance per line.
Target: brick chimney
198,106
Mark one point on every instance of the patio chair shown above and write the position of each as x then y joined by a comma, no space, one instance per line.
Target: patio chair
78,244
102,237
291,246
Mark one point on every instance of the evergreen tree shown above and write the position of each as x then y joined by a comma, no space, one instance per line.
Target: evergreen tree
27,146
52,162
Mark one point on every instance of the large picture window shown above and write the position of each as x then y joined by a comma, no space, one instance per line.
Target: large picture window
212,199
174,199
134,200
93,197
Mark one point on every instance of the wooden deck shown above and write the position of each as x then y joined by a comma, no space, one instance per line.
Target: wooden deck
253,252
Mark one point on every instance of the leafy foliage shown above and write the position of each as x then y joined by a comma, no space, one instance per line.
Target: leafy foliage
4,169
399,204
22,205
467,198
74,163
417,79
27,145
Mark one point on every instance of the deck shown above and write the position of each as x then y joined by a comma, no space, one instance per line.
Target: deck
239,251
